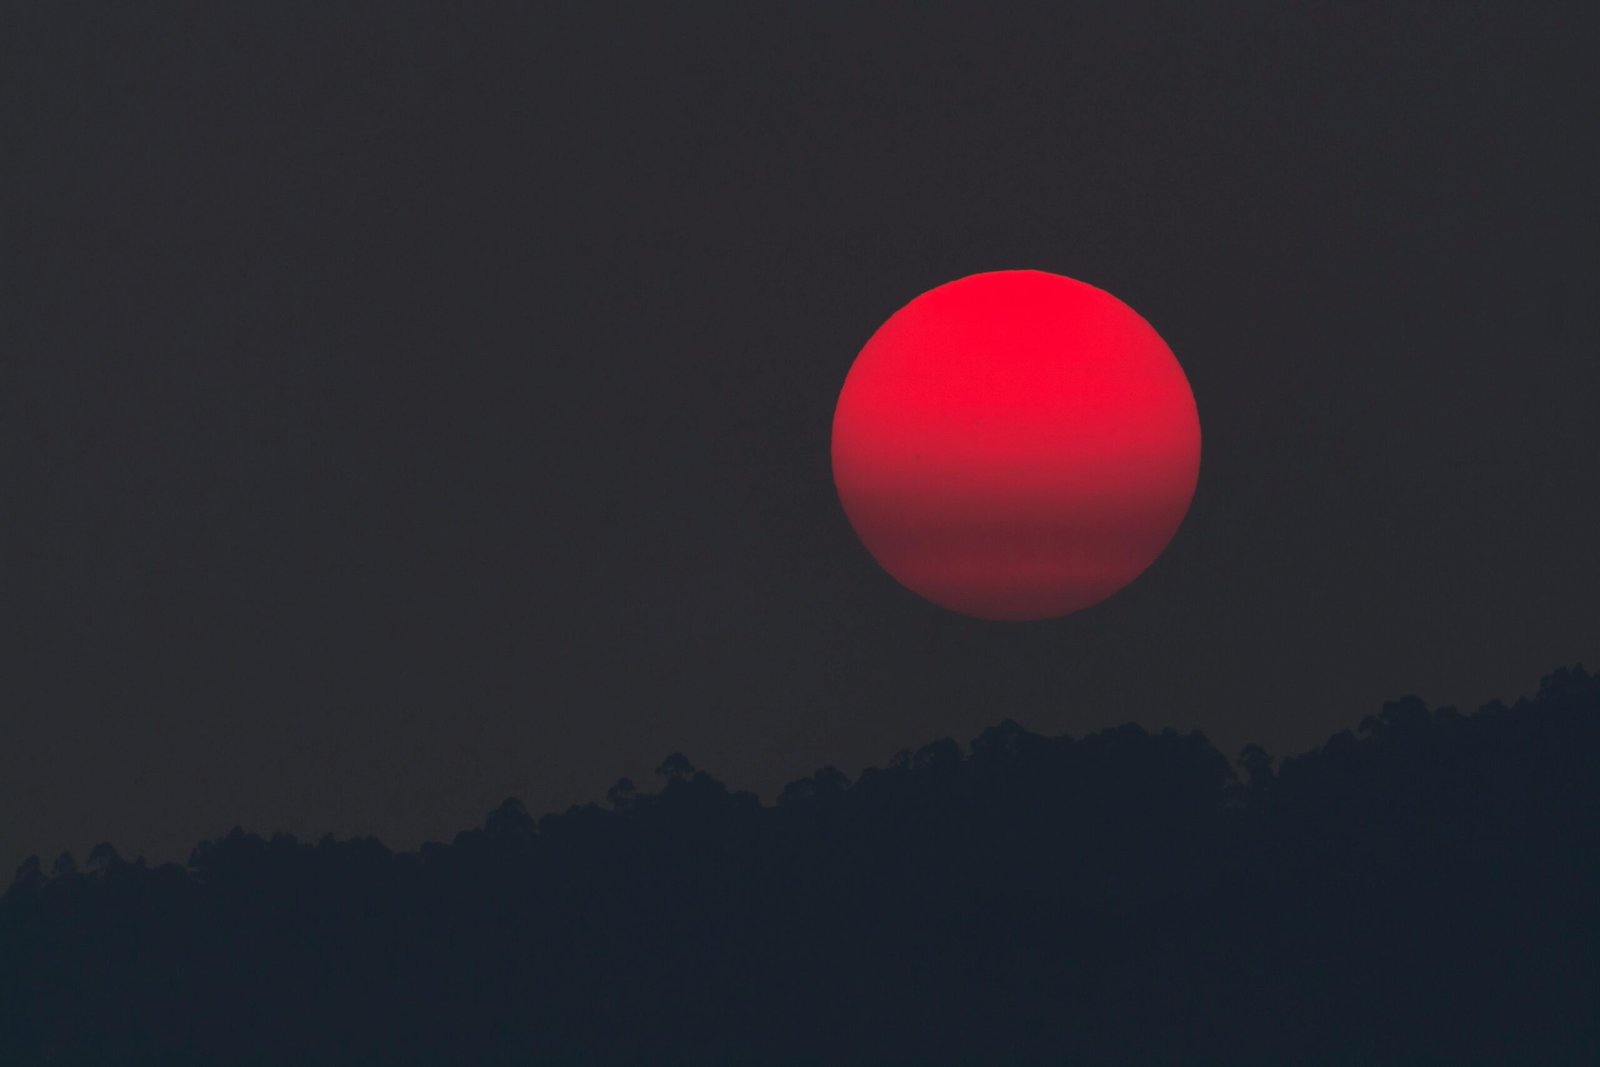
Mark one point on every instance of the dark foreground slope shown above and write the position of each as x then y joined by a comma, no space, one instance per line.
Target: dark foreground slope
1425,892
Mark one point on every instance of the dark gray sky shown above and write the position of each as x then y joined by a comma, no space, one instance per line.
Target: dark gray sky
403,406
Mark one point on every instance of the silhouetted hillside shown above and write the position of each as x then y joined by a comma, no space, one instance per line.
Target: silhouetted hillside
1423,891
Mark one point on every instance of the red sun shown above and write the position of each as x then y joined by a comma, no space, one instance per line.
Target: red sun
1016,445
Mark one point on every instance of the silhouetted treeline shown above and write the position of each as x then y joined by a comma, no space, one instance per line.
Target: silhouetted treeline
1423,892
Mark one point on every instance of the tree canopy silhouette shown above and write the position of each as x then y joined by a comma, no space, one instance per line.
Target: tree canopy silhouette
1419,891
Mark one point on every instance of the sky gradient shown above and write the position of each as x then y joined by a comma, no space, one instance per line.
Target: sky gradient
402,407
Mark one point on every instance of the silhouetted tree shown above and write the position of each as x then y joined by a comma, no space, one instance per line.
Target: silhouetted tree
622,795
825,783
675,767
1419,893
1256,763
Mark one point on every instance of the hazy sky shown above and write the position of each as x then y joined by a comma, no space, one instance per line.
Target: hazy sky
403,406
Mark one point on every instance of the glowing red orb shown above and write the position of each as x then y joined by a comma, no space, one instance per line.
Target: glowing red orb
1016,445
